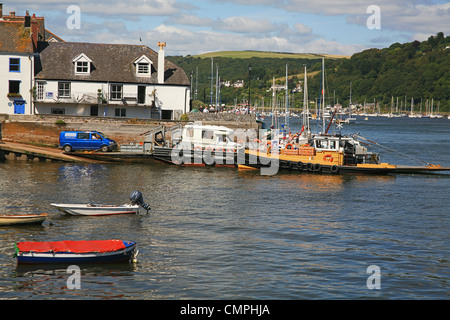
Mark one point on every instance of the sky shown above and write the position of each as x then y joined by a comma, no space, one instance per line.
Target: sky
193,27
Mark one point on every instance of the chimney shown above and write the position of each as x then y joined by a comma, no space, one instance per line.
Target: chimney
34,31
1,11
161,45
27,20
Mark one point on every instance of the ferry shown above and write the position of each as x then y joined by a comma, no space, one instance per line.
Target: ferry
326,153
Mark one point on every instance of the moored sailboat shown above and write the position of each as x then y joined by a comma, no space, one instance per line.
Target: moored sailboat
324,152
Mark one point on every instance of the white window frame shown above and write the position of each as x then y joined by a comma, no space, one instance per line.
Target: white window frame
82,64
65,90
116,95
143,66
40,90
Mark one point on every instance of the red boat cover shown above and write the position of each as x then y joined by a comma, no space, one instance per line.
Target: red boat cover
72,246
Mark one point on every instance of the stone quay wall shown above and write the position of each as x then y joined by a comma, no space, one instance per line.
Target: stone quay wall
45,129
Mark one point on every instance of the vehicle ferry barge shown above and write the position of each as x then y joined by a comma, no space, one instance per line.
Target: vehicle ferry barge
329,154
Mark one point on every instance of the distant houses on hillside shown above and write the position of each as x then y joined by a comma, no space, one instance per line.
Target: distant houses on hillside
40,73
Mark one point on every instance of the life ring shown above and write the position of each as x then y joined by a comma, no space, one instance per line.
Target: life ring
210,149
328,157
334,169
220,149
289,145
197,148
231,151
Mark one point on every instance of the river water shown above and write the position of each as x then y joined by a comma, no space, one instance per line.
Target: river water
222,233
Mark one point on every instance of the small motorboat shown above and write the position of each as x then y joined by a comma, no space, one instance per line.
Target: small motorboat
102,209
15,219
83,251
95,209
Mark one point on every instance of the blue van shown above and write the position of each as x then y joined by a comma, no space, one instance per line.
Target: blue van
86,140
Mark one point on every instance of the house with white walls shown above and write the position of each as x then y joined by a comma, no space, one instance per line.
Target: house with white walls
18,45
109,80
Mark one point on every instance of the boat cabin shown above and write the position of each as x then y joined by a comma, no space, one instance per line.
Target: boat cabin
207,136
354,153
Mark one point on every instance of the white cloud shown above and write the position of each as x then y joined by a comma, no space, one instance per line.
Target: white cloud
104,8
284,25
191,20
302,29
246,25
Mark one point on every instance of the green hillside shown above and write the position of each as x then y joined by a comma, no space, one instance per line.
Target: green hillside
264,54
418,70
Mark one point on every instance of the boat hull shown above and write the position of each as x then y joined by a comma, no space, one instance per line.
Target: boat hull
308,164
8,220
95,210
124,254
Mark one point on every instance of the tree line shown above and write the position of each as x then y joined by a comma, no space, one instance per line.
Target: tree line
415,70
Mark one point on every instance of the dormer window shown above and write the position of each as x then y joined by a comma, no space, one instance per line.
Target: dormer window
143,66
82,67
82,64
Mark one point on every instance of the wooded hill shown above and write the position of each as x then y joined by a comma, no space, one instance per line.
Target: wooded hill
418,70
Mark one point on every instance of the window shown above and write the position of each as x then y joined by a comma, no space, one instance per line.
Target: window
116,92
14,64
82,64
40,90
58,111
82,67
121,112
63,89
14,87
94,110
143,68
83,135
208,134
141,94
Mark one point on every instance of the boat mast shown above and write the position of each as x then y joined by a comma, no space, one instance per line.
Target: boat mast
305,104
323,93
212,79
286,115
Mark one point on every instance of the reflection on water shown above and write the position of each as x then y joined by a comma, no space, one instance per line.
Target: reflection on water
221,233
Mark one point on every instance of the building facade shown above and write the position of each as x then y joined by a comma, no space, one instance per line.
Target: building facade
42,74
18,45
109,80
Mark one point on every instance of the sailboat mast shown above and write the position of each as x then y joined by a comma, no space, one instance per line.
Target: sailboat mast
305,104
323,93
286,116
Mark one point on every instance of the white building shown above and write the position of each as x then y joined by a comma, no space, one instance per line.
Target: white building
18,43
112,80
42,74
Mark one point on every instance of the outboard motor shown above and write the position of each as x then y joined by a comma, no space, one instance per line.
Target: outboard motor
136,198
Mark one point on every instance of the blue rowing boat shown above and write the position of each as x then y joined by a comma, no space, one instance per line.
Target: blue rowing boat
94,251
